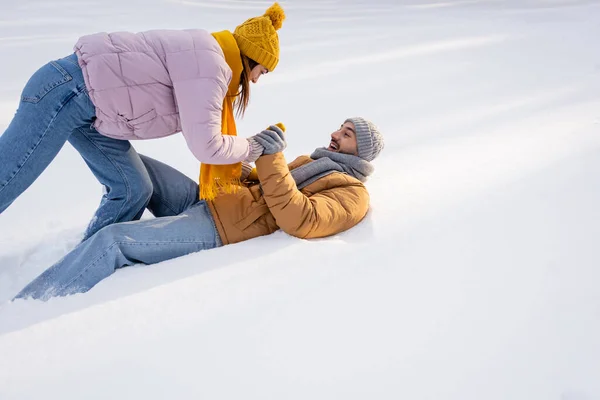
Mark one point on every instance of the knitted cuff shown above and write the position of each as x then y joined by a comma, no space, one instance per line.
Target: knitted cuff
246,168
256,150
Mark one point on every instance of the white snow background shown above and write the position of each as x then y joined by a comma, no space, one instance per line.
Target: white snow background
475,275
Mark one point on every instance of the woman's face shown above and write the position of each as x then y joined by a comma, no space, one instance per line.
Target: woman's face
257,72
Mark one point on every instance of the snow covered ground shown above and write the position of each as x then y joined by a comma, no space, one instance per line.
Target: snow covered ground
476,274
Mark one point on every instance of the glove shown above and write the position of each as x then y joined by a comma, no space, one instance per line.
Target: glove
246,169
272,140
256,150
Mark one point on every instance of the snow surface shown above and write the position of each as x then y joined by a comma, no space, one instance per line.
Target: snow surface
476,274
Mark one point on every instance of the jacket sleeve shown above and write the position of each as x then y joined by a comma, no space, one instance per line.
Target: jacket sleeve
199,93
253,175
325,213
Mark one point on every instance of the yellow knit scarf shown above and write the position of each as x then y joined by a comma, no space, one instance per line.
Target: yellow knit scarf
226,178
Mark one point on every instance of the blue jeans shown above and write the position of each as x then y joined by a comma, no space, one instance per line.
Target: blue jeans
55,108
183,225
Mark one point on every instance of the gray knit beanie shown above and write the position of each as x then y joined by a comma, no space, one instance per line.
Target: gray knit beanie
368,138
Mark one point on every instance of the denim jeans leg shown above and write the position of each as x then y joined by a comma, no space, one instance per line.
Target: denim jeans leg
120,245
54,102
172,191
118,167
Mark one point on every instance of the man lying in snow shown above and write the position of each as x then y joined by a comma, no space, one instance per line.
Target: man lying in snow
312,197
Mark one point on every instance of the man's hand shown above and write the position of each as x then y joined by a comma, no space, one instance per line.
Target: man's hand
272,139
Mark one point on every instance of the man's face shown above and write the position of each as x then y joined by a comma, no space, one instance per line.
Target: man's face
344,140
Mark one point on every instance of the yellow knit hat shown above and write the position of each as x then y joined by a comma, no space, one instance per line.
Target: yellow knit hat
257,37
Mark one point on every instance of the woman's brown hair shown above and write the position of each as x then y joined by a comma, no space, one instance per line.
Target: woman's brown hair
243,95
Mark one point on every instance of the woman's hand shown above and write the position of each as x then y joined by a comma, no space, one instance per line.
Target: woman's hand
271,139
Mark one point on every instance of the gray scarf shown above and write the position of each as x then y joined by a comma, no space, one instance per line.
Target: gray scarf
327,162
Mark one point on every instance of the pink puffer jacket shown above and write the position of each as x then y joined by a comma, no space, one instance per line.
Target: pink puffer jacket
156,83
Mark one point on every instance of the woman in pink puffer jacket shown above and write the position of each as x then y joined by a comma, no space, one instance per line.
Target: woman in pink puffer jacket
122,86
